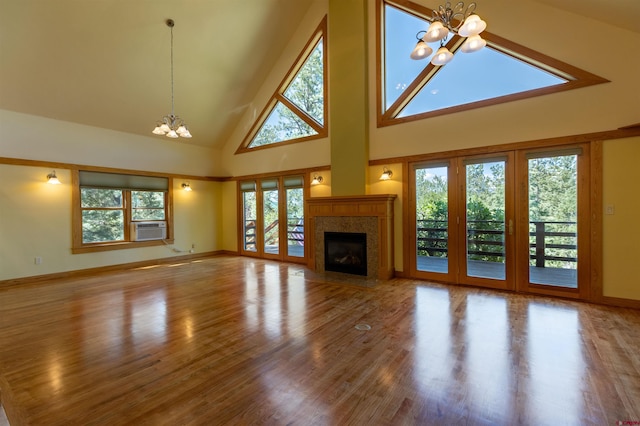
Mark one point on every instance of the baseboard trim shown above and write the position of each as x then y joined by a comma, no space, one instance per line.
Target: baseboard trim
110,268
620,302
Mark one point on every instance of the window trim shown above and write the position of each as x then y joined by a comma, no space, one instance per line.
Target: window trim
79,247
320,33
577,77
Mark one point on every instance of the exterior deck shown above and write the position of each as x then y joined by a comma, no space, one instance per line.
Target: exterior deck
558,277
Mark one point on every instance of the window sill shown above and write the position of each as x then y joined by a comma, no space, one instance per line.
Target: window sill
120,245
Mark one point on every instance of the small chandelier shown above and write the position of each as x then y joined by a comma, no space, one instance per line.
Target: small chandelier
171,125
447,19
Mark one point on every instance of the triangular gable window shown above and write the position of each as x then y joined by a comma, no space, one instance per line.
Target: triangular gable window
501,72
281,125
297,111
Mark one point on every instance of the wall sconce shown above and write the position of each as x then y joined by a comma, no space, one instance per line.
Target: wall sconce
186,187
53,179
317,179
386,174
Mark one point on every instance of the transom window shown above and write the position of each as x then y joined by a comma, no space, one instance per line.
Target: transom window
502,71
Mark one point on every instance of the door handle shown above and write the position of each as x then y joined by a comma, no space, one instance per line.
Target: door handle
510,227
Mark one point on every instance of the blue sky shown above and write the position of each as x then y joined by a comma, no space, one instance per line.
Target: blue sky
469,77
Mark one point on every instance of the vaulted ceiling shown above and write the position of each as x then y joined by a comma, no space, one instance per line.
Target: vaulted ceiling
105,63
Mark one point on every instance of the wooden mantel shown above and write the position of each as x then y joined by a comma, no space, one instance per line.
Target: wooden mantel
350,208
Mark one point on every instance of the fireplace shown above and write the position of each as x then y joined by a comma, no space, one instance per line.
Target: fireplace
370,216
345,252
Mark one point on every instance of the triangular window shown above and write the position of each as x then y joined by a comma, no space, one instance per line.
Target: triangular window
501,72
297,111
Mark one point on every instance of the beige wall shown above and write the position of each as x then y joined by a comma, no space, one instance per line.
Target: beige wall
622,228
35,221
392,186
209,217
229,223
568,37
301,155
38,138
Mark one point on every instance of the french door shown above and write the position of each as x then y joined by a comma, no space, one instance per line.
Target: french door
554,225
487,237
506,221
272,218
463,216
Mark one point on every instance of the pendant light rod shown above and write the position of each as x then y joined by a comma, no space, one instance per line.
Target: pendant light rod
171,125
170,24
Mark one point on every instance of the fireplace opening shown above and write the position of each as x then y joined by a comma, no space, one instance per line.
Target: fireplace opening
345,252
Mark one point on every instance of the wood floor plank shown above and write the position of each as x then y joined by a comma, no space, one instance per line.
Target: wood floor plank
232,340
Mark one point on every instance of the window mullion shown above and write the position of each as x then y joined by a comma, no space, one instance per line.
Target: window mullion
127,214
418,83
300,113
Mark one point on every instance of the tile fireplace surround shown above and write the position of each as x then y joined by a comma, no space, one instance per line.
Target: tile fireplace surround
369,214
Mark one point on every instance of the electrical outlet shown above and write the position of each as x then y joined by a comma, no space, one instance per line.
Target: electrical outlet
610,209
193,245
37,260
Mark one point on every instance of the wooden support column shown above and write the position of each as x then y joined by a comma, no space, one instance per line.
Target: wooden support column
348,96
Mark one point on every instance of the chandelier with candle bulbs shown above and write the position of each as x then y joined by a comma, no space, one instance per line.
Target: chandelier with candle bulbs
455,19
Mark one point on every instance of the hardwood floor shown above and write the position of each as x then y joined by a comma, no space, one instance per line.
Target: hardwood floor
231,340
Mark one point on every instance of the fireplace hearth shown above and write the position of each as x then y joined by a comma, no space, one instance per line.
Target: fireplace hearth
345,252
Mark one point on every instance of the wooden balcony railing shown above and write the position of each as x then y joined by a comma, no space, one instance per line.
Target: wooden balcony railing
485,240
295,232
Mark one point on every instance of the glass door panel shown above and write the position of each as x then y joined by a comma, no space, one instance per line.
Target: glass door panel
249,216
485,225
295,222
432,218
271,231
553,220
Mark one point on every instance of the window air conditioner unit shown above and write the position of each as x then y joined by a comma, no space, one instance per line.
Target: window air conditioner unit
145,231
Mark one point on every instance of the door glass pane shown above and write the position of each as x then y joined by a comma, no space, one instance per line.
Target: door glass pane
250,213
295,222
485,225
270,217
553,221
432,215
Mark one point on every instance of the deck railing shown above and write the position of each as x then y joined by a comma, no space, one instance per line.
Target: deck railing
549,240
295,232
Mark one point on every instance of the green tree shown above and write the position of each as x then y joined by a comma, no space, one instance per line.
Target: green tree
102,215
553,197
306,91
432,211
485,211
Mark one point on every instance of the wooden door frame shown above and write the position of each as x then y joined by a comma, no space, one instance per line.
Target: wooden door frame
584,181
